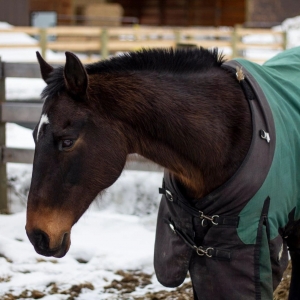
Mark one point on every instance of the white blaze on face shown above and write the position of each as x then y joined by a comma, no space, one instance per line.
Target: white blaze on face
44,120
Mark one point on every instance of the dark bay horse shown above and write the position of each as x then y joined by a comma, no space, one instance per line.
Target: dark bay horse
179,108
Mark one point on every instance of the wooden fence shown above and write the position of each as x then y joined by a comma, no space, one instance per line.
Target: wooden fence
29,111
106,41
109,40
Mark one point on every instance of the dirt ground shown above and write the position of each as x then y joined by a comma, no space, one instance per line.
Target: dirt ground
282,291
131,280
184,292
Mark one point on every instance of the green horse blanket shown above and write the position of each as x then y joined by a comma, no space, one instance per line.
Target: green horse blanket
233,241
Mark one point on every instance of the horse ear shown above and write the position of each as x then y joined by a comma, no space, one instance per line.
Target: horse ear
46,69
75,75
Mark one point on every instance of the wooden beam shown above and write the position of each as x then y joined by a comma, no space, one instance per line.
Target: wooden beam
22,70
3,173
139,163
134,162
20,112
15,155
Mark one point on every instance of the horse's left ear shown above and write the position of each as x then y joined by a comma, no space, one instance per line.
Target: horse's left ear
75,75
46,69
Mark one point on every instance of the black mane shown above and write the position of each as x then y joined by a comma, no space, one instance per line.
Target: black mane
155,60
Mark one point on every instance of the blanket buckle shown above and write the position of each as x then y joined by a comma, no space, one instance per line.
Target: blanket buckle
204,217
201,251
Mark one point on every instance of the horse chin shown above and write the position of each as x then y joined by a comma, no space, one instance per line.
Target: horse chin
65,246
61,253
55,253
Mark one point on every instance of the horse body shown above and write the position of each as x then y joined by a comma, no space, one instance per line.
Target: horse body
180,109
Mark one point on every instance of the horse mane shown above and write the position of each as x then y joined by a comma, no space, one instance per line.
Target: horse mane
174,61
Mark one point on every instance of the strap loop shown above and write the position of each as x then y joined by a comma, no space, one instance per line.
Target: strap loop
210,252
212,218
228,221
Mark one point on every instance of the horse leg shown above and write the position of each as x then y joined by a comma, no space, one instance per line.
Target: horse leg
293,242
194,293
295,280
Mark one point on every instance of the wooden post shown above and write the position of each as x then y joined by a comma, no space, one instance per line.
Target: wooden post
177,35
284,40
104,44
234,41
73,17
3,173
43,41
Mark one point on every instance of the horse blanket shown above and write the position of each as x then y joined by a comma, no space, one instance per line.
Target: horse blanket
233,241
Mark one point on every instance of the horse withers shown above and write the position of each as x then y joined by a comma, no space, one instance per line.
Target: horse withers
226,134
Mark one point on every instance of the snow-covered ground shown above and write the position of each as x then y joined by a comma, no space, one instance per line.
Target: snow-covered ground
117,232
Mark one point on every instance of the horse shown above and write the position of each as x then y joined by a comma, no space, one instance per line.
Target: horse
201,119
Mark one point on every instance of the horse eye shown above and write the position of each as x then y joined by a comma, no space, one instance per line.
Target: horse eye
65,144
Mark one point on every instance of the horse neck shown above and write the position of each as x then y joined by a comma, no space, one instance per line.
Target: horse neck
198,126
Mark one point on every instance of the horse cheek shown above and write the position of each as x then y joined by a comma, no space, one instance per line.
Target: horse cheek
74,170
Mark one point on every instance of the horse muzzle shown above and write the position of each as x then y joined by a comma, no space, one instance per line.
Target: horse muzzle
44,245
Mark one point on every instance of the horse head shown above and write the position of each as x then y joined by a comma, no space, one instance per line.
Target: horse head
79,152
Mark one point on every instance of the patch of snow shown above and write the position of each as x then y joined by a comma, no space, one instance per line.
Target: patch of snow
292,27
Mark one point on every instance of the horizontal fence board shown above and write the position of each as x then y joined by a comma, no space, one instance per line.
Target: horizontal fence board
207,43
74,46
64,30
139,163
134,162
136,45
245,46
15,45
28,30
206,32
15,155
19,112
22,70
246,31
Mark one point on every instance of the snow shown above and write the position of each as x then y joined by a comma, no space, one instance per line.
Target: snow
116,233
106,241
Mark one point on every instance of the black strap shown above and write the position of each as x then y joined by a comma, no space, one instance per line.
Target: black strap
228,221
210,252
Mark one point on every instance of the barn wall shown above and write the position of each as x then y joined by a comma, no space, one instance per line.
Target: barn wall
233,12
271,12
186,12
15,12
62,7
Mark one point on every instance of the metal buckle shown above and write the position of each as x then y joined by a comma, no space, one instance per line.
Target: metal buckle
201,251
172,227
265,135
209,251
169,195
204,217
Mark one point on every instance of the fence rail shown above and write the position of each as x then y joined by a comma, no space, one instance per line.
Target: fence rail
109,40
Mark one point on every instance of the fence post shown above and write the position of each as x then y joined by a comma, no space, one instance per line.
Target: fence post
234,40
3,173
104,45
43,41
177,35
284,40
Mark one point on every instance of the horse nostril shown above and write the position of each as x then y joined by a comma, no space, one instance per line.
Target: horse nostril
41,240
